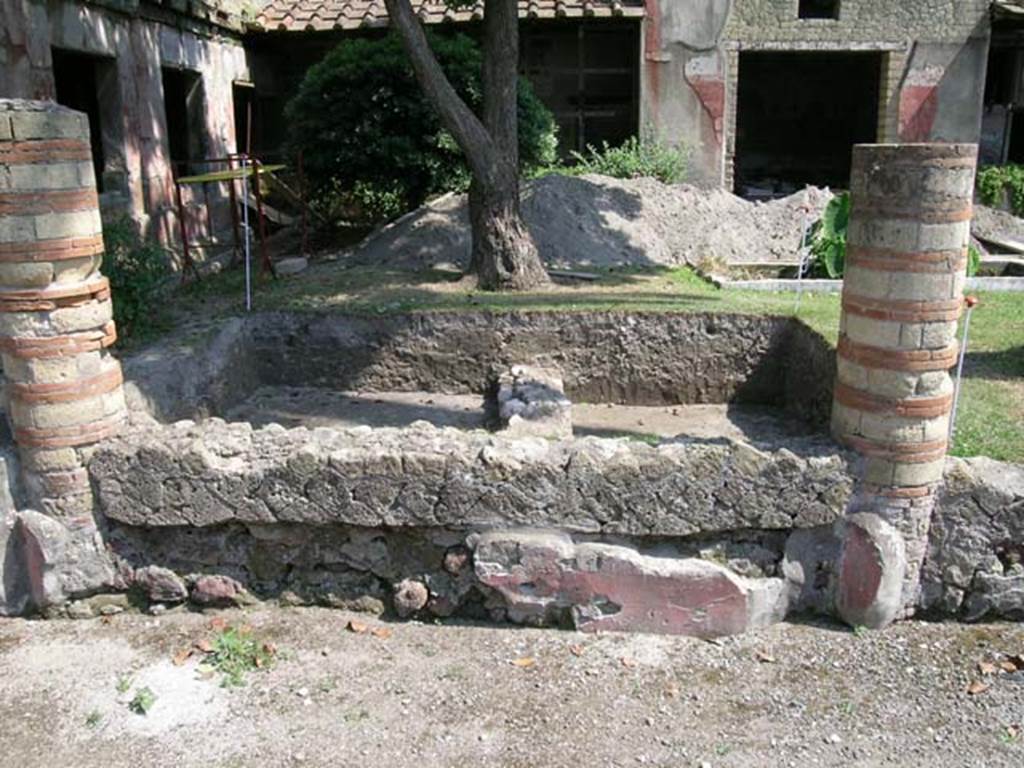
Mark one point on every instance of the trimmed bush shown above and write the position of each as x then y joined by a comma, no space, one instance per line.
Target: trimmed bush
371,139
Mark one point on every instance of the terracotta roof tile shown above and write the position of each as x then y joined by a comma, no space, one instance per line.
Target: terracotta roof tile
299,15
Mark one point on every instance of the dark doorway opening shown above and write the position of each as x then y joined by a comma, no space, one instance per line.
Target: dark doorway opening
243,99
799,115
77,79
184,108
587,74
818,9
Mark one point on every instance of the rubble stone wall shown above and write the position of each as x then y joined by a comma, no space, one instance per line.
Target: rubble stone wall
597,533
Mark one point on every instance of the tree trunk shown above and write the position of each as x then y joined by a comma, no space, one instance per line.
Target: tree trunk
504,256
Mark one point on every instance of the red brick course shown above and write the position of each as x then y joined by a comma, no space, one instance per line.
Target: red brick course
67,391
918,407
55,201
67,437
44,151
911,360
60,346
939,310
887,260
60,249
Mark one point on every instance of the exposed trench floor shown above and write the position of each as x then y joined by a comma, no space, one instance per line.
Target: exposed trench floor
313,407
425,695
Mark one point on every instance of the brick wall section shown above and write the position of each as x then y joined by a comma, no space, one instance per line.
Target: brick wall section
860,21
902,295
64,390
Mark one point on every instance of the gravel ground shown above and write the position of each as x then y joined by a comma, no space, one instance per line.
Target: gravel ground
429,695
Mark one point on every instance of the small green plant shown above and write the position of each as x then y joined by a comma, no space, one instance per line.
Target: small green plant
860,631
1010,734
973,260
135,268
236,652
93,719
828,238
356,716
635,158
995,181
142,702
123,684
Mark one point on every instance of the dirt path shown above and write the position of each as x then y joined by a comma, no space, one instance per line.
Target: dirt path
452,695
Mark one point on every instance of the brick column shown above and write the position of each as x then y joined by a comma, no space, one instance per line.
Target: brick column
63,388
902,295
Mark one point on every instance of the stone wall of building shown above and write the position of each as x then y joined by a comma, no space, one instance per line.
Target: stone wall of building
134,40
934,59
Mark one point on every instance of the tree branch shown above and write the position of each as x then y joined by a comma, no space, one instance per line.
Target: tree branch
466,128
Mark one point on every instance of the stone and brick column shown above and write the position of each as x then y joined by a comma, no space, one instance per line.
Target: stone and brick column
63,388
902,295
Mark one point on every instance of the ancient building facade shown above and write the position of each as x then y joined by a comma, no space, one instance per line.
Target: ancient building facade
767,94
766,91
156,80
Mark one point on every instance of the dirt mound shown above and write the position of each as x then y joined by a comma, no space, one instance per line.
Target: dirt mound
601,222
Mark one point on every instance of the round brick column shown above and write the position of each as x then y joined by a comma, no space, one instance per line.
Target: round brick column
902,295
63,388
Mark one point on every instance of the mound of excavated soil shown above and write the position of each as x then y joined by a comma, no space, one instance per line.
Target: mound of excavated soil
599,221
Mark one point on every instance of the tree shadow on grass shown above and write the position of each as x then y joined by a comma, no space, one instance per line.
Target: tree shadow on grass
1003,364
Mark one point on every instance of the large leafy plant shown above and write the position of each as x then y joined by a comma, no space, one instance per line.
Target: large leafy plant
828,238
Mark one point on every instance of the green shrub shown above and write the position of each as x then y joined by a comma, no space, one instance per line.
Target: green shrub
634,159
995,180
372,142
135,269
828,238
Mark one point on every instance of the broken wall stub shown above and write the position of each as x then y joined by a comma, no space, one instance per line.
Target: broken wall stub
63,390
902,295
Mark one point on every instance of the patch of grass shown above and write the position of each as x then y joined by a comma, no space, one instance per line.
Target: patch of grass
123,684
93,719
237,652
356,716
142,702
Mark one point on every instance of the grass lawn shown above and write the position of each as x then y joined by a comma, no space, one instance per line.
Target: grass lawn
991,418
